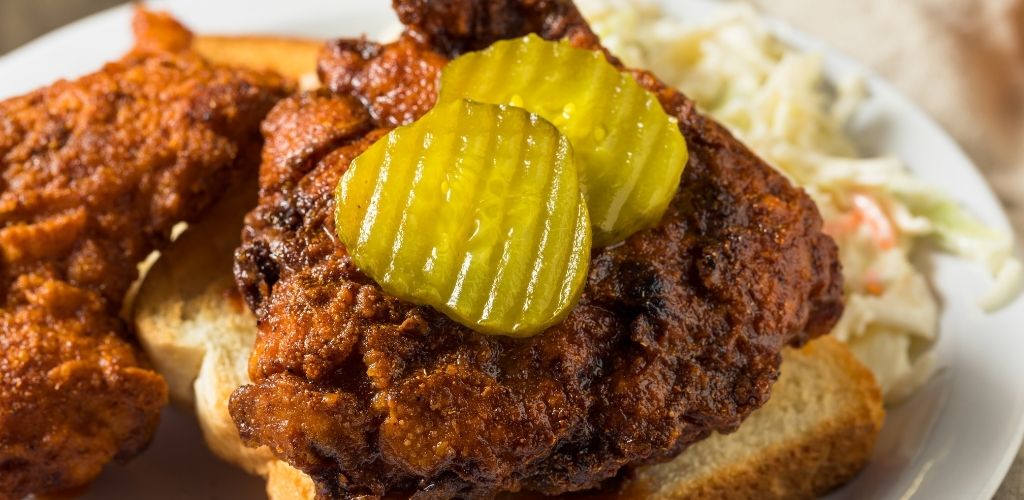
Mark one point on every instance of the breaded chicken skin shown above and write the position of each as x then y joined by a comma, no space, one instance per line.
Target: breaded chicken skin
93,175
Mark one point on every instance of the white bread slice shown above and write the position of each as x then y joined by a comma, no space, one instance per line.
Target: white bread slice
197,332
292,57
190,320
814,434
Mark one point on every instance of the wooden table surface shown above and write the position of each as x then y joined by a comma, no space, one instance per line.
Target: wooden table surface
23,20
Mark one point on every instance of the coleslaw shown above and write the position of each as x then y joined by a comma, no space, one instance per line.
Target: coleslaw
777,100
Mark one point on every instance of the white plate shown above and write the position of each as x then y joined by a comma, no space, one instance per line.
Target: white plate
954,439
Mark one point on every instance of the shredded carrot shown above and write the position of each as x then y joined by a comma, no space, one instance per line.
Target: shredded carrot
843,225
873,283
877,221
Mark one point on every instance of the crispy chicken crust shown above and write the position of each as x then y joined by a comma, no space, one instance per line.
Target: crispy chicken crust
95,172
678,332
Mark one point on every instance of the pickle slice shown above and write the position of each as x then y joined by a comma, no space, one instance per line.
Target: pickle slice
475,210
630,152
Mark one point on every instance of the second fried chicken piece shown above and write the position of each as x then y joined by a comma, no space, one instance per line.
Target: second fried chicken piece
93,175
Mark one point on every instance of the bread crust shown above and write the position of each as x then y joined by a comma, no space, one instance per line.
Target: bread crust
834,411
291,57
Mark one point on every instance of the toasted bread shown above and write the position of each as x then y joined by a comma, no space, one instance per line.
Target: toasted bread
291,57
815,433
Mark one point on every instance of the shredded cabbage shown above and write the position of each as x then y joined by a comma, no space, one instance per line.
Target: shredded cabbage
776,100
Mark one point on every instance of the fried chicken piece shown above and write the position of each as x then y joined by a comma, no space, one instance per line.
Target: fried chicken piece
678,332
95,172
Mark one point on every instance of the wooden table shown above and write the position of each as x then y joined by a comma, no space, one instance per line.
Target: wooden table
23,20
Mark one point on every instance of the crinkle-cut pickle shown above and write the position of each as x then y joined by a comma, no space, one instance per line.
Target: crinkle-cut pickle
475,210
630,152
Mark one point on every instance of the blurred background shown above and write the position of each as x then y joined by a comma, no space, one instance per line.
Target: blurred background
23,20
961,60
